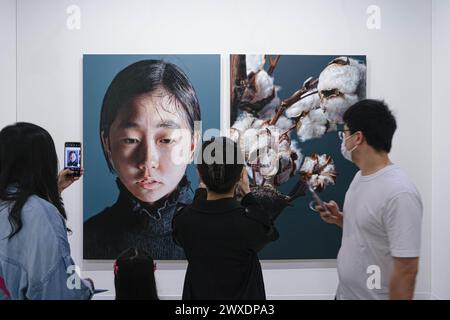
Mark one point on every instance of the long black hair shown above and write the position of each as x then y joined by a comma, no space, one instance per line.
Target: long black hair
134,277
28,162
143,77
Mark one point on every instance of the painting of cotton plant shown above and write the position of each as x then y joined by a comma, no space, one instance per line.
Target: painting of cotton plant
285,111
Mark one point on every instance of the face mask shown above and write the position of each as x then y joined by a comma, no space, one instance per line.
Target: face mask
347,154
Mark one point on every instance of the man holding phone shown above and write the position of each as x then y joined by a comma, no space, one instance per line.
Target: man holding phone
382,214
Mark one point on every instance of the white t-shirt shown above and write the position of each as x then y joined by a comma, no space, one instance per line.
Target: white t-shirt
382,219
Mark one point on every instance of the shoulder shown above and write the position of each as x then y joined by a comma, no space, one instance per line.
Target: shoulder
397,182
43,217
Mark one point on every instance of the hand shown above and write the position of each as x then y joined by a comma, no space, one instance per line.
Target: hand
66,178
244,184
91,282
331,214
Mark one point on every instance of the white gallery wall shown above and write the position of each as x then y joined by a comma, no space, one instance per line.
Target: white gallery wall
7,62
440,253
49,90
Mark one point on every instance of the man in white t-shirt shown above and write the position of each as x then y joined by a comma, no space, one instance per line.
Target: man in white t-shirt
382,214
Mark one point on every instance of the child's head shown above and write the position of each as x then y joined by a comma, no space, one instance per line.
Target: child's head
220,164
147,126
134,277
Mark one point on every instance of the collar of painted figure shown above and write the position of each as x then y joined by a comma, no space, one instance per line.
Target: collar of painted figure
156,209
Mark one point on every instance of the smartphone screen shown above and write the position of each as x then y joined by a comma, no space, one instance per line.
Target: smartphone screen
72,157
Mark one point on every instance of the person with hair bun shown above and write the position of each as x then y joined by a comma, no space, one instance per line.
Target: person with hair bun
220,235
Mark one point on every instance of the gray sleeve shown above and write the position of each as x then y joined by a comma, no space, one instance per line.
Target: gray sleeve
55,272
402,219
62,283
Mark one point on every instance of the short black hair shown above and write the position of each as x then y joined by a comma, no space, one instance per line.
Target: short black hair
143,77
220,172
374,119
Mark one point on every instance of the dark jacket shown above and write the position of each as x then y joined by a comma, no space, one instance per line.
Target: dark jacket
221,239
132,223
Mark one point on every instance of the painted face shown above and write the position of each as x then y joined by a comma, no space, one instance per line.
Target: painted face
150,145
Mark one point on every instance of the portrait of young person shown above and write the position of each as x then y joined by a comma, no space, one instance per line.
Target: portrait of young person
149,128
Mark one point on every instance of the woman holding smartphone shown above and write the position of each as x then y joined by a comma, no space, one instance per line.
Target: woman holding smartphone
35,260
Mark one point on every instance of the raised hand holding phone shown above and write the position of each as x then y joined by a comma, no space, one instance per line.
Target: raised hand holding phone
330,213
72,157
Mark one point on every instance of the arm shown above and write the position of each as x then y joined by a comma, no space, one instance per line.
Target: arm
403,278
65,179
402,219
62,283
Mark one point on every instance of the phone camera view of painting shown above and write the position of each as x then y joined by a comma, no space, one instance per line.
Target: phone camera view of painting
73,157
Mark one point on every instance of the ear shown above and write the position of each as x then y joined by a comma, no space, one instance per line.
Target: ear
360,137
194,143
106,146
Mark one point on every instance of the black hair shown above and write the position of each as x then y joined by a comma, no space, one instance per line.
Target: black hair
220,164
374,119
134,277
145,77
28,161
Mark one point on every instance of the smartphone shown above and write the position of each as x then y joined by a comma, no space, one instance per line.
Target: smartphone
316,200
72,157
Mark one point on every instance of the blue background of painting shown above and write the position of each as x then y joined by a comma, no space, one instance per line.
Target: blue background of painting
99,187
303,235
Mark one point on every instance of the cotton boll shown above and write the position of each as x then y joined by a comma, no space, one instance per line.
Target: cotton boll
244,121
269,109
313,126
322,160
269,163
335,107
318,171
254,62
235,135
284,123
304,105
258,123
259,146
345,78
308,165
249,139
264,86
284,146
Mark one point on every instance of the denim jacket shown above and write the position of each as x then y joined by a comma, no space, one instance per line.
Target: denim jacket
36,263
